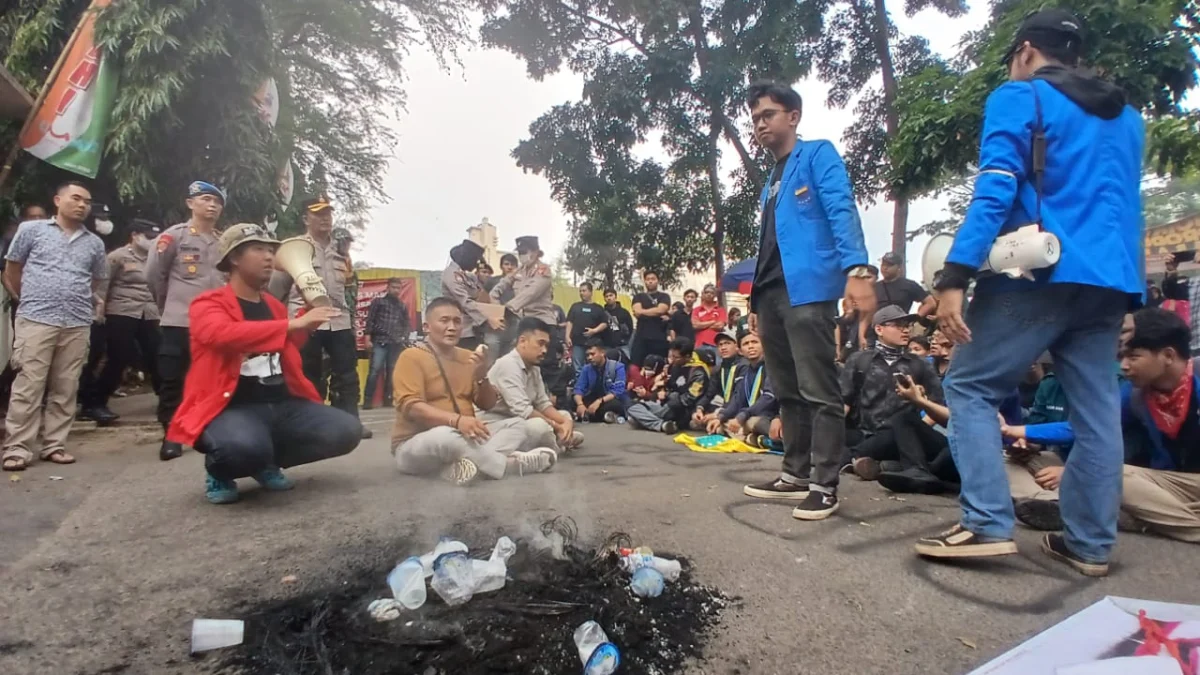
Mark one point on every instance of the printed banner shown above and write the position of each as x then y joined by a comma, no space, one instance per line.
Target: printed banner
373,288
1177,237
68,129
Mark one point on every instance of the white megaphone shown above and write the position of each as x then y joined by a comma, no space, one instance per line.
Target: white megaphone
294,256
1015,254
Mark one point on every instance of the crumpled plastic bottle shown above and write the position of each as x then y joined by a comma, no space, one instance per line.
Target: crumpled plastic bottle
490,574
647,582
407,582
599,656
453,578
444,545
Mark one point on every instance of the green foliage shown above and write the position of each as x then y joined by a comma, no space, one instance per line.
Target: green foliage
656,74
1166,201
1148,48
189,69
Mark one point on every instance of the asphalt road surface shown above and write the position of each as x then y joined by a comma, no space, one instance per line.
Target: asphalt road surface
104,570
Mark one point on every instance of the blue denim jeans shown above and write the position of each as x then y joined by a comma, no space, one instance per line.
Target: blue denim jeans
383,362
1079,325
578,356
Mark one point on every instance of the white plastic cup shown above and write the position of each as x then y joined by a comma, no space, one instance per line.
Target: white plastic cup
216,634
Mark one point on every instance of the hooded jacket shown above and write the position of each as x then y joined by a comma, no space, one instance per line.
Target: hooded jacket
686,384
1091,194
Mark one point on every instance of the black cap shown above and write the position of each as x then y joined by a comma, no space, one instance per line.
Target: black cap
1047,28
147,227
316,204
527,244
470,250
892,258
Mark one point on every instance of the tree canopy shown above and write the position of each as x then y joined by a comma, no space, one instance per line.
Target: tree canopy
189,70
656,74
1147,48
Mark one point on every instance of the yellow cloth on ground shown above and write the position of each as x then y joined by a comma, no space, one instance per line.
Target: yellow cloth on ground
716,443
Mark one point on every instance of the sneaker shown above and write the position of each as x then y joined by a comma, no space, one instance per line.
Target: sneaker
754,440
1039,514
169,450
461,472
913,480
670,427
866,468
959,542
100,414
274,480
538,460
817,506
220,491
575,442
1055,546
777,489
610,417
367,433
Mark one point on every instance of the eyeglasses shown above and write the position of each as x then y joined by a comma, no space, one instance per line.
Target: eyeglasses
765,115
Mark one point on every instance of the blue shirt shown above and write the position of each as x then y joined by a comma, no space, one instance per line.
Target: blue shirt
56,282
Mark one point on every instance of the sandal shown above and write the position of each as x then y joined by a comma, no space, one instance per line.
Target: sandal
59,457
15,464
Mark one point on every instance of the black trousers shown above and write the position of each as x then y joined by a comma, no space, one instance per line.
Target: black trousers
91,367
246,439
906,438
126,340
342,386
643,347
800,352
174,359
615,406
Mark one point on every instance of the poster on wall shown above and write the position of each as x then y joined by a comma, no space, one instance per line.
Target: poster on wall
373,288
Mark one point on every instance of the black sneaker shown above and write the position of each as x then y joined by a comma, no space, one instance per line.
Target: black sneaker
170,450
866,468
670,427
913,480
1039,514
367,433
959,542
1055,546
817,506
777,489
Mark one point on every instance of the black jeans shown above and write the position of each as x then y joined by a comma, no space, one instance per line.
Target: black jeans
174,359
342,386
643,347
125,339
246,439
906,438
799,350
91,367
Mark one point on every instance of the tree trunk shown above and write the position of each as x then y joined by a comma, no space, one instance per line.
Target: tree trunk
718,210
891,120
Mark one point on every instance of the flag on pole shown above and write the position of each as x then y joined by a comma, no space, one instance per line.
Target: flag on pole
69,127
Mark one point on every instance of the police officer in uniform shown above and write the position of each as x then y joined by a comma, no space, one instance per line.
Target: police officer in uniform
460,283
532,289
335,338
130,320
181,265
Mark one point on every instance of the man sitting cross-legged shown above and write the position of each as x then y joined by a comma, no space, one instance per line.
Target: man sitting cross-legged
600,388
522,393
752,412
246,402
438,385
682,387
722,383
1160,420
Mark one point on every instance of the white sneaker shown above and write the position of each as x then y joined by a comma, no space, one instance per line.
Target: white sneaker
575,441
461,472
538,460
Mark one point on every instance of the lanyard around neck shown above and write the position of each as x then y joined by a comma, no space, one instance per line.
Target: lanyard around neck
756,388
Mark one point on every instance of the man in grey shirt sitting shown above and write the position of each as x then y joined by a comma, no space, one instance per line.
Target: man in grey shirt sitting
522,394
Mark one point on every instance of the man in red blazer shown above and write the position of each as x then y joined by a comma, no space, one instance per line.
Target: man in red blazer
246,403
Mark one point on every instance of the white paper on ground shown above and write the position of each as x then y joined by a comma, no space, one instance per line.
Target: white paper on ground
1088,635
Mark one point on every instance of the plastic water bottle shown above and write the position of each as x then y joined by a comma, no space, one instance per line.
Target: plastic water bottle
490,574
444,545
621,419
599,656
647,582
632,561
453,578
407,582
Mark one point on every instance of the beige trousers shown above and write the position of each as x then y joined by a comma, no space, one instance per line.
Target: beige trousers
1166,502
430,451
49,361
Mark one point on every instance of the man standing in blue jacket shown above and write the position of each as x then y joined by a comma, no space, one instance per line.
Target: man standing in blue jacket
1090,143
811,254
